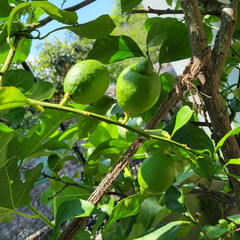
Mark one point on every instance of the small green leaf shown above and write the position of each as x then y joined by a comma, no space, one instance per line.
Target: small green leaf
235,161
127,5
5,8
86,125
68,193
98,28
11,97
22,51
126,207
13,115
214,232
168,231
3,38
174,200
114,48
148,212
183,116
54,12
18,78
41,91
69,209
235,218
231,133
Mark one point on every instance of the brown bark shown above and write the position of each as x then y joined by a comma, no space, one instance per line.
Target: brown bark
214,103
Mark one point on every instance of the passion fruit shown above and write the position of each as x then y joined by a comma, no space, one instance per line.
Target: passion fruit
156,174
86,82
138,88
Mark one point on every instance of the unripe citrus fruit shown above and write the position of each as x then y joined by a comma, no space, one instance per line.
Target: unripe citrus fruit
86,81
55,162
156,173
138,88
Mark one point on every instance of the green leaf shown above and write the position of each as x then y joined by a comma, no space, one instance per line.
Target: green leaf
3,38
69,209
103,148
168,231
21,54
7,134
235,218
127,5
5,8
114,48
199,139
183,116
62,16
214,232
172,38
126,207
86,125
18,78
149,210
51,120
235,161
11,97
203,166
13,115
98,28
174,200
41,91
67,193
14,193
231,133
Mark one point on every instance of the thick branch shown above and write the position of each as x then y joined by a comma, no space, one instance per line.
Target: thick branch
194,22
175,95
214,105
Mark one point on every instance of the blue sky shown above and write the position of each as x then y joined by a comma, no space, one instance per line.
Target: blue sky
85,14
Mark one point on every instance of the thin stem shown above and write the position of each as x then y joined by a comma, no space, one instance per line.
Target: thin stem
9,58
57,29
110,121
24,214
7,64
38,214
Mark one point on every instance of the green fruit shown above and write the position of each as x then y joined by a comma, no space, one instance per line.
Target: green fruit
138,88
156,173
86,81
55,162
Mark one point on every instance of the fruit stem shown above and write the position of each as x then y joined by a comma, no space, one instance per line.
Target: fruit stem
65,100
126,118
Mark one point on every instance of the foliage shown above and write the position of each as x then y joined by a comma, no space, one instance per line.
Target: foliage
124,211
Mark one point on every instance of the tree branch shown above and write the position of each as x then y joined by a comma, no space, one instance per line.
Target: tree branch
171,11
48,19
204,192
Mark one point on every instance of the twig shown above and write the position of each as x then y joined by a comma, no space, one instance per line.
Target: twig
204,192
171,11
65,182
46,20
